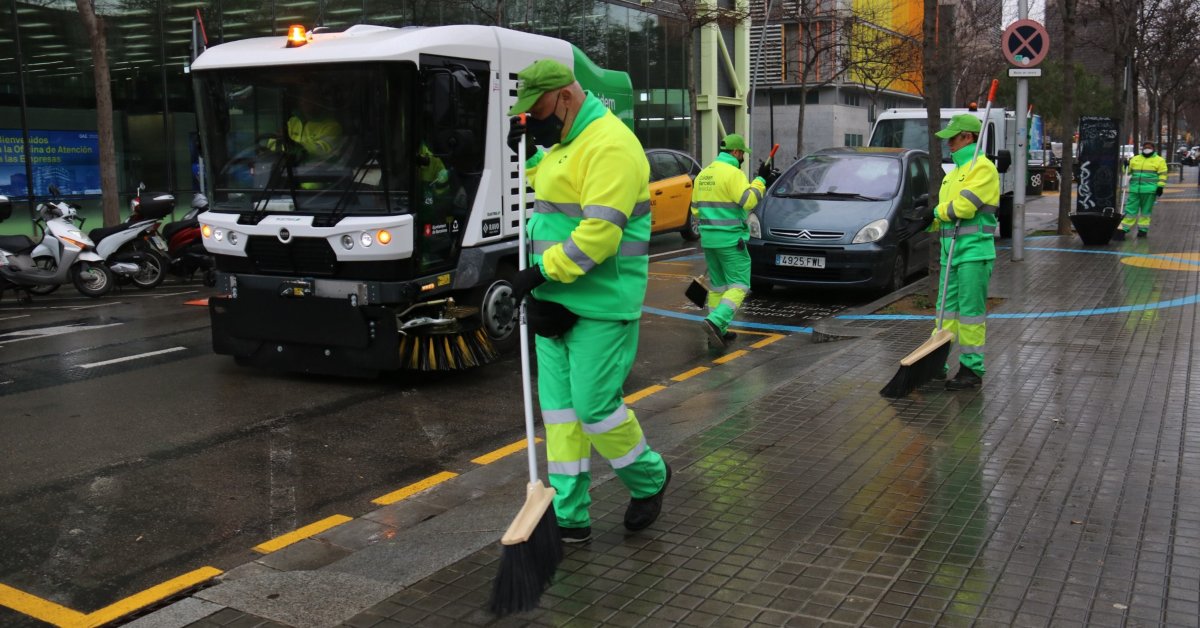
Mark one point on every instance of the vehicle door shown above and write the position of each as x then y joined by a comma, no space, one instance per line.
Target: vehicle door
914,208
670,190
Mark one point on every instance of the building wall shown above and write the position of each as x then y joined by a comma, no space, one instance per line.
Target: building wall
148,47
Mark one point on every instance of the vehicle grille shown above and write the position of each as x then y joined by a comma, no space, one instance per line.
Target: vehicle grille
299,256
807,234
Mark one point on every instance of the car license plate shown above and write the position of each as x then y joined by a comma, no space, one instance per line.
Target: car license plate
159,242
799,261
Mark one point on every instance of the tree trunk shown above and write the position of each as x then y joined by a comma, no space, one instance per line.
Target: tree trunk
689,41
933,109
1067,9
800,117
94,26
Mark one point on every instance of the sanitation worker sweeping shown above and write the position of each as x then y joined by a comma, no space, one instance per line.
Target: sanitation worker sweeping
965,218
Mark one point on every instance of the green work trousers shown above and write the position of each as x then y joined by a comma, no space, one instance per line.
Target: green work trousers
729,276
1137,210
580,380
966,310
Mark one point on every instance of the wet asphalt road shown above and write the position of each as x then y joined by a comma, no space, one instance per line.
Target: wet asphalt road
120,472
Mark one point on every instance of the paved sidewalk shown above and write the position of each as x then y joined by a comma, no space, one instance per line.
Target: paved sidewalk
1064,492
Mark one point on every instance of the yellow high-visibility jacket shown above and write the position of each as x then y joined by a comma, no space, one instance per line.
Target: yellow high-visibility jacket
1147,174
590,231
722,199
971,196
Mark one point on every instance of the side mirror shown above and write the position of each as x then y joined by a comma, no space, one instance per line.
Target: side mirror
1003,161
54,190
921,201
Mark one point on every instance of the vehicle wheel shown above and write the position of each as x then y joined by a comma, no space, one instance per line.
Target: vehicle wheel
691,231
498,310
92,280
46,263
899,274
151,271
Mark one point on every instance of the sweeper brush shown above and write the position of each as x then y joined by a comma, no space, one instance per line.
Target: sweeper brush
450,338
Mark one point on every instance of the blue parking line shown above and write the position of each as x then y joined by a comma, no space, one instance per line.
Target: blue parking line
734,325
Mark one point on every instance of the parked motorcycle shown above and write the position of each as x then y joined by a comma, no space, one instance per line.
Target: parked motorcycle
185,246
64,255
130,248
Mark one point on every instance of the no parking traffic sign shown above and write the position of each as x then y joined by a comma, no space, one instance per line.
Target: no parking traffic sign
1025,43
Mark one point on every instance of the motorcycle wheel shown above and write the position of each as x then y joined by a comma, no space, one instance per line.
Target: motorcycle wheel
151,272
92,280
46,263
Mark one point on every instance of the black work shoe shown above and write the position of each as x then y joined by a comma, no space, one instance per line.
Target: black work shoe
1119,236
716,339
1143,234
575,535
966,379
643,512
729,337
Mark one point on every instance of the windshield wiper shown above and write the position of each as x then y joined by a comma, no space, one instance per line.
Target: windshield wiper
846,195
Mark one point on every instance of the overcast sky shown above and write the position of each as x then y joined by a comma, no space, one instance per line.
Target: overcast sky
1037,10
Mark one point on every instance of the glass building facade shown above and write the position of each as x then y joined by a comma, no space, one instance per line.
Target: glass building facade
44,45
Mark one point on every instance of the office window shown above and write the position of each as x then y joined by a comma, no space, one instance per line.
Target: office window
853,139
850,98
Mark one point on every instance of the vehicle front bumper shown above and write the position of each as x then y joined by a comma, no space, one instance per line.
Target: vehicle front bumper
846,266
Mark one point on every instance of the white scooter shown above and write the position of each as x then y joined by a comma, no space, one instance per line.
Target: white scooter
131,248
64,255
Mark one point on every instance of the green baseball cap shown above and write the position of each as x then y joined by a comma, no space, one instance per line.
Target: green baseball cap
733,141
958,124
540,77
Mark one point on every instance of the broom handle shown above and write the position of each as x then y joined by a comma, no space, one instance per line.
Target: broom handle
522,264
987,110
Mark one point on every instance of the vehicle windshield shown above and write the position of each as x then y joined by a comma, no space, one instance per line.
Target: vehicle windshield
846,176
905,133
321,139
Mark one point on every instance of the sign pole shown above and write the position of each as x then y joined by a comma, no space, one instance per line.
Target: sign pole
1021,158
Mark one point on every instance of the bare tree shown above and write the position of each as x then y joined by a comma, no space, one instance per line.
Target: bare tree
94,26
697,15
1167,60
884,57
822,50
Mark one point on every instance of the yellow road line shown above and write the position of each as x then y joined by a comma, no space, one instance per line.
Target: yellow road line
766,341
731,357
689,374
414,488
643,393
38,608
300,534
506,450
150,596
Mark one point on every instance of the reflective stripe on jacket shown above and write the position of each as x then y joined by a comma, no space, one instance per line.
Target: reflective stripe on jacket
590,230
1146,174
722,199
970,195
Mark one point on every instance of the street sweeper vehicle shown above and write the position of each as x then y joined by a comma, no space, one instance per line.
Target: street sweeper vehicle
364,204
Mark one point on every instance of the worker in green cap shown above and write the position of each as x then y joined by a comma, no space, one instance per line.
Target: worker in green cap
1147,180
966,215
722,199
590,240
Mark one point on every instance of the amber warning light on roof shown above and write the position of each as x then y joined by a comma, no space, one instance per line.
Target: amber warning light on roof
296,36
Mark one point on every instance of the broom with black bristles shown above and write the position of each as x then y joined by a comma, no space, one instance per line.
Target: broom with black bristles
928,360
531,548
